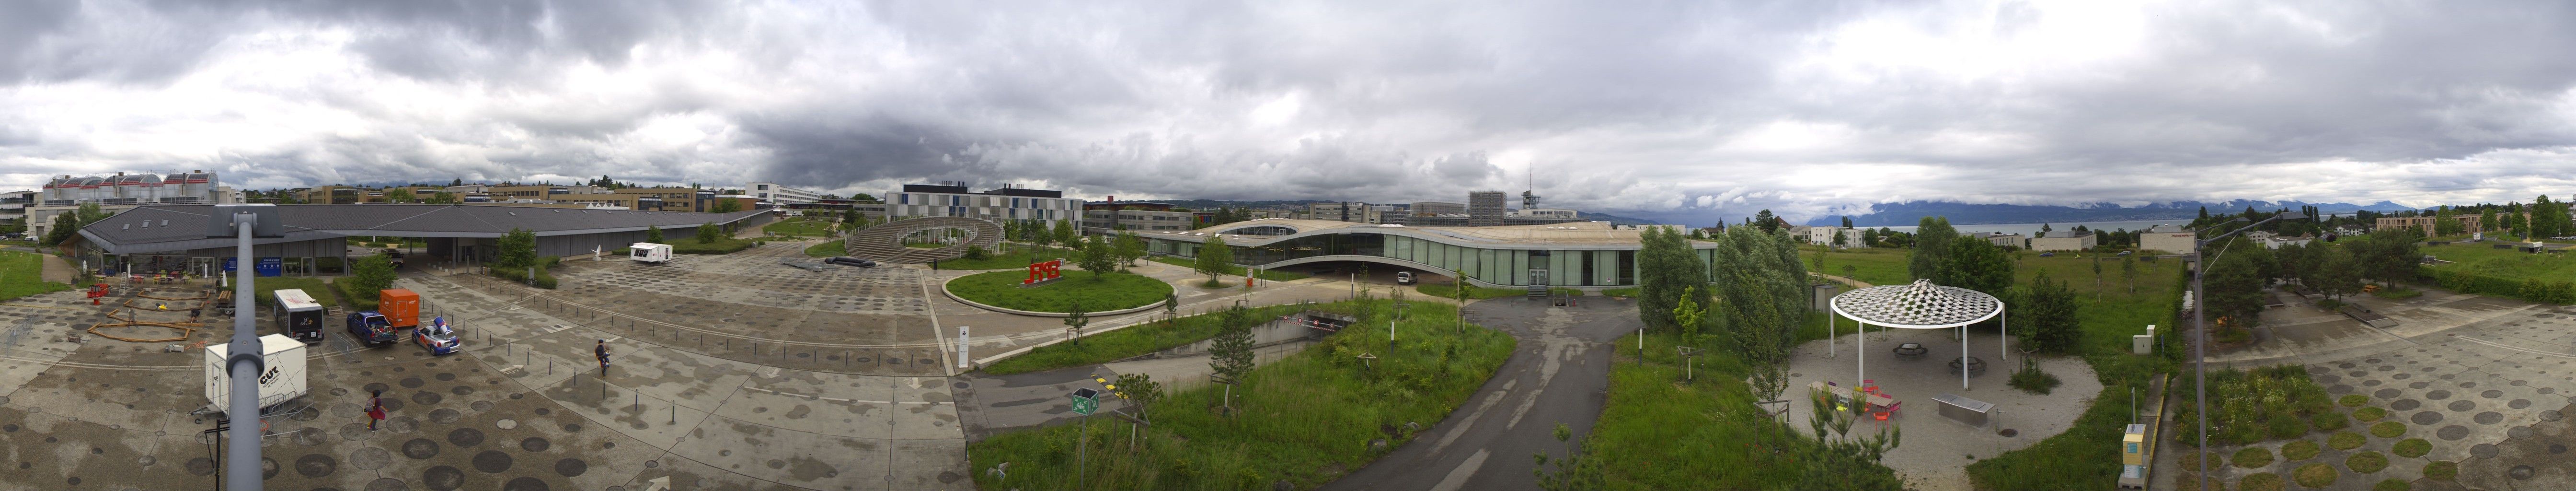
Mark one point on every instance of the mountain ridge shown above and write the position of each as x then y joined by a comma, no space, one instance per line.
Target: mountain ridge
1911,212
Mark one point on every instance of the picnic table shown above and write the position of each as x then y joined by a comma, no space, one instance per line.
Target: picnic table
1843,395
1974,365
1911,349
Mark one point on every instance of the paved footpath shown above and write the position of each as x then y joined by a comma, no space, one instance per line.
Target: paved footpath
1559,374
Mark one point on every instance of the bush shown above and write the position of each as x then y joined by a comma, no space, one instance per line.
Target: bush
2261,482
2286,426
2314,475
2328,421
2369,414
2412,448
2031,379
2345,440
2366,462
2442,469
2354,400
2251,457
2388,429
545,278
2300,450
2391,485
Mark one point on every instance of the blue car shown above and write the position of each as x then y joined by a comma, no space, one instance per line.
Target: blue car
438,337
371,329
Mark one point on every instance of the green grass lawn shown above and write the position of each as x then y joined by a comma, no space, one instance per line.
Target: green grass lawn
1445,290
1232,270
1015,256
1096,292
1123,343
1870,265
2511,264
799,227
319,289
1306,419
22,274
826,248
1658,432
727,245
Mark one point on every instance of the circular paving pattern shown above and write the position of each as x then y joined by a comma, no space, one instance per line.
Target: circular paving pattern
2438,394
534,444
387,484
2382,393
2463,406
370,458
2518,403
444,416
2488,418
420,448
2452,432
316,465
525,484
2491,394
465,437
492,462
2519,472
442,478
2483,451
571,467
2405,405
2427,417
2518,432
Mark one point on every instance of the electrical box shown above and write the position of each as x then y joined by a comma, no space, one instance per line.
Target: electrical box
2144,343
2133,457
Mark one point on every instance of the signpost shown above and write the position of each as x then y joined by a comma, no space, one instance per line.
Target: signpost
962,361
1085,401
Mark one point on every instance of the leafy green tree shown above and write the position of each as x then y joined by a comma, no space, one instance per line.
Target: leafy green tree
726,205
1577,471
653,234
1767,221
708,233
1065,234
2234,281
1932,239
1666,270
370,274
1214,259
1230,352
1847,223
65,225
2335,274
1130,248
1689,315
1098,257
2047,317
1976,265
1761,292
517,249
2387,255
1841,239
1074,322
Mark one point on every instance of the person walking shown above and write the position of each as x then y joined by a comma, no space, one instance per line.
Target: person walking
602,352
375,409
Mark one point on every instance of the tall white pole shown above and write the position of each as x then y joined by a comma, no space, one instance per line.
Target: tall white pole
1964,363
241,464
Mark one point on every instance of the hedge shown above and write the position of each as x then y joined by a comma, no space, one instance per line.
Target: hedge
545,278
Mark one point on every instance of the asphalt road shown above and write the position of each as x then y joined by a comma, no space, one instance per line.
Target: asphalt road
1557,375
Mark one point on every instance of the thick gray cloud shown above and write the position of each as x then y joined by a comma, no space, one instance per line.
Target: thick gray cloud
1673,109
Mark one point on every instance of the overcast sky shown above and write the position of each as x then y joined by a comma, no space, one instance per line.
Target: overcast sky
1670,109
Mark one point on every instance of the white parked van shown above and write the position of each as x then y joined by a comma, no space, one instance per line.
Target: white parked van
647,252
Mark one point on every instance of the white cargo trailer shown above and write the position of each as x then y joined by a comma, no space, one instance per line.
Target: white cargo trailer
281,378
647,252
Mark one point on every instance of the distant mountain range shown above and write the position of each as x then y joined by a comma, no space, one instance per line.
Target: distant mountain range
1910,213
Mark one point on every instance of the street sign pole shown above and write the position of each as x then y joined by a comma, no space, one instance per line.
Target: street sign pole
1085,401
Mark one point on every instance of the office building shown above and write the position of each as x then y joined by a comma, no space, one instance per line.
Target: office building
2169,239
122,192
1484,208
1010,202
2063,240
1583,255
780,194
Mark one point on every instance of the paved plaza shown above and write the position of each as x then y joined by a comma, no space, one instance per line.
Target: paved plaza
2486,381
1935,450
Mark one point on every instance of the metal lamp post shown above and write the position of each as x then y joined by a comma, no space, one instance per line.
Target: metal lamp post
2200,324
243,223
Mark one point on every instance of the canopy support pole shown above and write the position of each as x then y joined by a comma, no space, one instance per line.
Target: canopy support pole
1965,364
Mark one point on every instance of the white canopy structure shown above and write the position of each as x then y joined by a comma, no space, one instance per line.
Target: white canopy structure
1921,305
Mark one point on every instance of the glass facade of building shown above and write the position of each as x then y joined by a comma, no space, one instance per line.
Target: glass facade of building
1499,265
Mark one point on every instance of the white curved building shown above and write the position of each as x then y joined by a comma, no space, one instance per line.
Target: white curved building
1584,255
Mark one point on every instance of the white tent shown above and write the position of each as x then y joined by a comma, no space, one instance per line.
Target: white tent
1921,305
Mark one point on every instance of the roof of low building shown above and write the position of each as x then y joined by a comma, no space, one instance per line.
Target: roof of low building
182,227
1561,234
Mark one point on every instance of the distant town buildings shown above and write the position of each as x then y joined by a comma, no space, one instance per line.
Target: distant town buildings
2170,239
1112,216
1484,208
2000,239
779,194
120,192
2063,240
2469,223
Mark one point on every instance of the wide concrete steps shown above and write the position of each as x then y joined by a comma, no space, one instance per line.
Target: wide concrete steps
884,243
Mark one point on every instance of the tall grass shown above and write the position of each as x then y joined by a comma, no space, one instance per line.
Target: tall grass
1126,343
1305,419
22,274
1658,432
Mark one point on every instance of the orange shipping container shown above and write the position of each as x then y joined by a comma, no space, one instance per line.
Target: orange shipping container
401,307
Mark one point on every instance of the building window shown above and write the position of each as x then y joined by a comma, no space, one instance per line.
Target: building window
764,187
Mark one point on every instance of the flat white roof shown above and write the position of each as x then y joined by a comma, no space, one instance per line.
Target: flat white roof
296,300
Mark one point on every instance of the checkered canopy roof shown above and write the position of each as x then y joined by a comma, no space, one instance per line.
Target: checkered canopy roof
1921,305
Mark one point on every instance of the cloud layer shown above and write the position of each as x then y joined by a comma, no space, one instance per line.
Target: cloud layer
1676,109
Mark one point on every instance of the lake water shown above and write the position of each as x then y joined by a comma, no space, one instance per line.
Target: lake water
2033,228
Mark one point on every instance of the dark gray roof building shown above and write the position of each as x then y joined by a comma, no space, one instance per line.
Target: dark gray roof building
173,237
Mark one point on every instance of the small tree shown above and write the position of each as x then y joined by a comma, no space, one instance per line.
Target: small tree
1214,259
1130,248
2048,316
1689,314
1097,257
1577,471
2129,272
1065,234
518,249
370,274
1231,354
1038,234
653,234
1073,323
708,233
726,205
1142,390
1171,306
